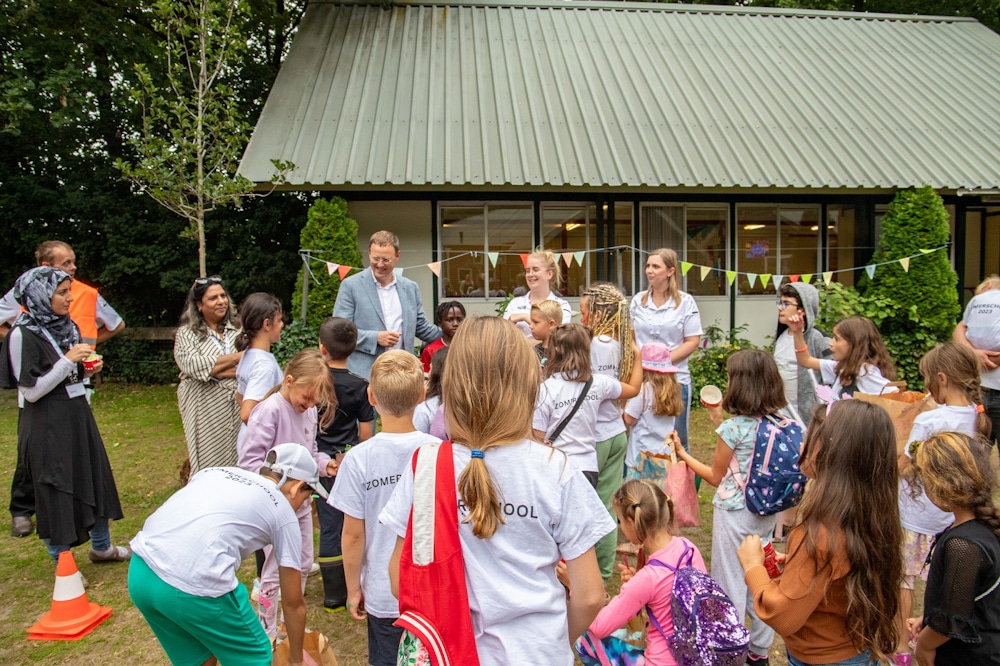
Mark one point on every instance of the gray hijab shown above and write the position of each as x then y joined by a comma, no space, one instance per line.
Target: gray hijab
34,290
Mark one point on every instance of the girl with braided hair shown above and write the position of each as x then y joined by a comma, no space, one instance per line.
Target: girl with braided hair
604,310
961,619
951,374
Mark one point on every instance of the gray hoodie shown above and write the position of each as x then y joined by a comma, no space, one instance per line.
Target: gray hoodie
819,347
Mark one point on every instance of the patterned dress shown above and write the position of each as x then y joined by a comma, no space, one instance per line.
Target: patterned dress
208,407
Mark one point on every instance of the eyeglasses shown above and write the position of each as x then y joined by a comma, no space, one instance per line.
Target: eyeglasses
211,279
785,304
378,261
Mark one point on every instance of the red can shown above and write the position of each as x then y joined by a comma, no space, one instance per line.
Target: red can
771,561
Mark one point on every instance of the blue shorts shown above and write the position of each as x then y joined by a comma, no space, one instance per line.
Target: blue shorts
191,629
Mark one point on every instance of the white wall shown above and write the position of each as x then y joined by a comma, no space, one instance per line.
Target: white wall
411,221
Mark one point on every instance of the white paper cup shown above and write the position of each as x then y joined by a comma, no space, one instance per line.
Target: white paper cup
711,396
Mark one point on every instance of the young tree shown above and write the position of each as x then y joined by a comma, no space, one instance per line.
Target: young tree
332,234
193,131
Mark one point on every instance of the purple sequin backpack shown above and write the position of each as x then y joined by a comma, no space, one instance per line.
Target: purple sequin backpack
707,629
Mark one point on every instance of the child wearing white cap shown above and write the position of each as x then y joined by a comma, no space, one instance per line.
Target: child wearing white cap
182,577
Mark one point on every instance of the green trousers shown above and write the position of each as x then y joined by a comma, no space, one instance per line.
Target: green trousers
611,467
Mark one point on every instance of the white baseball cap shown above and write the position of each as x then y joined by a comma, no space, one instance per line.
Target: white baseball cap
294,461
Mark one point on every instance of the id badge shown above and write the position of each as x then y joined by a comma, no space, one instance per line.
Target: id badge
77,390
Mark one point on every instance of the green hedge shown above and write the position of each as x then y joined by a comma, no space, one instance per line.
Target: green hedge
708,363
139,361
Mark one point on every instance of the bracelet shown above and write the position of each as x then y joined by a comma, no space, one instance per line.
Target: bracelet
805,348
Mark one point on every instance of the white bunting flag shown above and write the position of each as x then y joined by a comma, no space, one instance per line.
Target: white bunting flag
905,263
752,279
705,270
435,267
331,267
870,269
493,258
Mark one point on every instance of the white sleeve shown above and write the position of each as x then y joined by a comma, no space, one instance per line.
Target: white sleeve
396,513
9,309
634,406
259,381
566,311
609,388
583,519
288,546
348,492
106,315
422,418
543,410
692,318
828,370
44,385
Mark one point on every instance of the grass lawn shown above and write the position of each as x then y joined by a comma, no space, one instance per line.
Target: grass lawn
142,431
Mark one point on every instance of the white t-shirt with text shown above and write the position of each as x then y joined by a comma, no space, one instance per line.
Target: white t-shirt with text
982,319
196,541
556,399
606,359
550,513
368,474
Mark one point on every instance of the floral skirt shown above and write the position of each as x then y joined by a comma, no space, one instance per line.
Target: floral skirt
412,651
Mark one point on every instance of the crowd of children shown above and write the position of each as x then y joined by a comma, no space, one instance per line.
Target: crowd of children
542,420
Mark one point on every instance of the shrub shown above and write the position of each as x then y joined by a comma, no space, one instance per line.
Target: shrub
708,363
915,309
332,235
295,337
139,361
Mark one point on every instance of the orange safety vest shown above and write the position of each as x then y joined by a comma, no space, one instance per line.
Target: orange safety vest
83,311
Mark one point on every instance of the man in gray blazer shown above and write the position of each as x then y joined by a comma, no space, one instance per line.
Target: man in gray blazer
384,306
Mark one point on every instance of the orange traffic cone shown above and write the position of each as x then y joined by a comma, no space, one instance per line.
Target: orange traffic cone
72,617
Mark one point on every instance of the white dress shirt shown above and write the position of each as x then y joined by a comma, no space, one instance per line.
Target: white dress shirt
392,309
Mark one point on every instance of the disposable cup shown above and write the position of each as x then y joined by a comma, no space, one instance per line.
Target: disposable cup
90,363
711,396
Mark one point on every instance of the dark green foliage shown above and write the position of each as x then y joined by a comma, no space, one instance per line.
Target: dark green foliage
295,337
915,309
139,361
331,234
708,364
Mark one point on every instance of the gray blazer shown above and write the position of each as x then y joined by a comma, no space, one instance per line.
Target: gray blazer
358,301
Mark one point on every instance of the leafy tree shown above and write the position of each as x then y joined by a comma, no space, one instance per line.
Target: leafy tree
192,130
332,235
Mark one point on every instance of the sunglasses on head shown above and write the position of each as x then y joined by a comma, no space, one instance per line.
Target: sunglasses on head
211,279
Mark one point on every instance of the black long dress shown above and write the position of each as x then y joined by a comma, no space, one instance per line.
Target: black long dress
70,471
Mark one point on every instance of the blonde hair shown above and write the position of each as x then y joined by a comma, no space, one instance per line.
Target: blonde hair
960,365
551,310
669,258
549,262
609,315
308,369
488,389
397,382
666,393
650,510
990,283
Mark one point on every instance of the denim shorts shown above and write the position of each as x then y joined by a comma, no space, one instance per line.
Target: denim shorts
863,659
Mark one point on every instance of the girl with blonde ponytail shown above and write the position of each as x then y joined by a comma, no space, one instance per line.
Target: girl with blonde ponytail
543,277
522,507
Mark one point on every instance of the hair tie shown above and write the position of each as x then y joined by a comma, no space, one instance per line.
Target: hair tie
635,506
980,408
476,453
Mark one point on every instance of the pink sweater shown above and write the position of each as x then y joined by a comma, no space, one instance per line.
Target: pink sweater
275,421
652,586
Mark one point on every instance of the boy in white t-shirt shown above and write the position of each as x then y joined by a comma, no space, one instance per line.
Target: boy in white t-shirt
182,576
365,481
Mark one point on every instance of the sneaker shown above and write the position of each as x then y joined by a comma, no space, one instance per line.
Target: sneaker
112,554
255,591
20,526
314,569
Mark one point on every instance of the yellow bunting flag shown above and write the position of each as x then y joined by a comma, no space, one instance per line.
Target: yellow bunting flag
764,279
685,267
731,276
926,251
905,263
807,278
705,270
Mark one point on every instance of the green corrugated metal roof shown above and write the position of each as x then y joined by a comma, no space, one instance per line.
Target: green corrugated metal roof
584,94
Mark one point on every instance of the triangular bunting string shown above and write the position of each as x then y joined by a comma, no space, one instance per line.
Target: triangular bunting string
579,257
793,278
331,267
764,279
752,279
731,276
905,263
524,259
705,270
685,267
493,258
807,277
777,281
567,258
870,269
435,267
827,277
342,271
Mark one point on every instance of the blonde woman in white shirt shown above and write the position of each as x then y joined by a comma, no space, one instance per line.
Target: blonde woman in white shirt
663,313
541,274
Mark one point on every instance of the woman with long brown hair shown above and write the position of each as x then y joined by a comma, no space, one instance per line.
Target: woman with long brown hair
836,600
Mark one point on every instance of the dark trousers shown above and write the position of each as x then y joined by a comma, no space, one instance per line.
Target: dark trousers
331,523
22,493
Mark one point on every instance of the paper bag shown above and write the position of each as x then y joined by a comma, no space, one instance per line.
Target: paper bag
903,408
315,646
679,487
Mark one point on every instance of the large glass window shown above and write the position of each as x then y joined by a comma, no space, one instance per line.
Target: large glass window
704,228
775,240
469,233
840,240
573,228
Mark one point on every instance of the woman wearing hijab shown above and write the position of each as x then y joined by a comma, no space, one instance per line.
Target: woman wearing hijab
43,358
205,352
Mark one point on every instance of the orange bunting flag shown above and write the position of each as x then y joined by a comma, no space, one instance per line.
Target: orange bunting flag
524,259
342,271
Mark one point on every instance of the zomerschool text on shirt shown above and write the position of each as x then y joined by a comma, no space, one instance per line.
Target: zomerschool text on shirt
550,513
196,541
606,359
982,321
365,481
556,399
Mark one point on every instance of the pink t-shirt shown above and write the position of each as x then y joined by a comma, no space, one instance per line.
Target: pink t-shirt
275,421
652,586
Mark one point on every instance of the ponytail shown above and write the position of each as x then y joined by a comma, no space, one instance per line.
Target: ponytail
480,496
255,309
